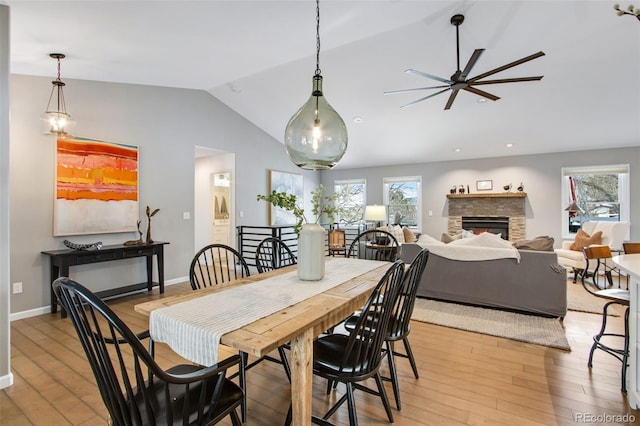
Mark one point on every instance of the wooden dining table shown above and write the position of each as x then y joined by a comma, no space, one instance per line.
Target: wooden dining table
298,324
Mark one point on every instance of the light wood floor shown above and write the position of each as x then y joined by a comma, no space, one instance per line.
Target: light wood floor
465,378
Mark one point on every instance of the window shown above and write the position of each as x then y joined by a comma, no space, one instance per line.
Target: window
594,193
403,195
352,198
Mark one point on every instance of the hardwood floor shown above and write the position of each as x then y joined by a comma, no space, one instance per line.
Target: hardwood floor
465,378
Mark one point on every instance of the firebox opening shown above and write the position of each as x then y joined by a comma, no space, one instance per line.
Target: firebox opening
480,224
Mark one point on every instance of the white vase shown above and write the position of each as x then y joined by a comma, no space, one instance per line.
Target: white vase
311,252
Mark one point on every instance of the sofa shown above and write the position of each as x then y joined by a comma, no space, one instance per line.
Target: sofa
534,283
613,235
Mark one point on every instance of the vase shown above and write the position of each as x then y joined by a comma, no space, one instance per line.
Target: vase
311,254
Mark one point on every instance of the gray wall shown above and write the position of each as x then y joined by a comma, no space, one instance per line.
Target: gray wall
166,124
540,174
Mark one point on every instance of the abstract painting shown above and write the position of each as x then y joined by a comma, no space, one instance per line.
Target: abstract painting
291,183
96,187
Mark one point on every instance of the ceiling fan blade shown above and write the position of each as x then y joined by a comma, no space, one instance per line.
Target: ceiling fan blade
424,74
481,93
425,98
507,80
393,92
472,61
507,66
451,99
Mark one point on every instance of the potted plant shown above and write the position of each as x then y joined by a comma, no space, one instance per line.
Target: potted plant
310,235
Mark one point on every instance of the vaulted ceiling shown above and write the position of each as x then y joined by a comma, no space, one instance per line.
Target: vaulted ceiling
258,57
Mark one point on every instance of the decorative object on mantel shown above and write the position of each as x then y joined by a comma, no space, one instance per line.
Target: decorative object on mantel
507,187
311,253
57,121
633,11
452,190
137,242
468,191
150,214
461,189
521,187
75,246
316,136
484,185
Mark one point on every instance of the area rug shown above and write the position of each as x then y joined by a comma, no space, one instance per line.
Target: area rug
494,322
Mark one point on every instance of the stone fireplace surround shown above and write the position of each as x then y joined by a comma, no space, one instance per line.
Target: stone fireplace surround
508,204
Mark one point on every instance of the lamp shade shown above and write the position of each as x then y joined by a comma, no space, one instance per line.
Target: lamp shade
316,136
375,213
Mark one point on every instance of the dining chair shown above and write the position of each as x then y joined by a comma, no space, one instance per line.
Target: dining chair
631,248
374,244
272,253
400,322
217,264
597,255
353,358
133,387
337,242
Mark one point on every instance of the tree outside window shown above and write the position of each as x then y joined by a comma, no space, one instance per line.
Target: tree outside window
403,196
351,197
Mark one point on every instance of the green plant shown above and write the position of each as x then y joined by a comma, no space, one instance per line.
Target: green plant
320,205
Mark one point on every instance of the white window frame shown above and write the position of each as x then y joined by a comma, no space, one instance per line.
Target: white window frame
349,182
400,179
624,193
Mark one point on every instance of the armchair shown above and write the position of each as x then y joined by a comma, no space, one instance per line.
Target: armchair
613,234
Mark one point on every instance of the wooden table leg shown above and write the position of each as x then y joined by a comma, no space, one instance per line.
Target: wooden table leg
302,377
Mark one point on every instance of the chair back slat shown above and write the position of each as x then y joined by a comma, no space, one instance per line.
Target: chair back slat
363,352
272,253
374,244
631,248
216,264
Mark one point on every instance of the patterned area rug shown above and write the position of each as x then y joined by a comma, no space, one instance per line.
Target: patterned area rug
524,328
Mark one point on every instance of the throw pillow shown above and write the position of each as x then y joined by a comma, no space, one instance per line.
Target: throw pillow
447,238
396,231
409,236
584,240
542,243
428,239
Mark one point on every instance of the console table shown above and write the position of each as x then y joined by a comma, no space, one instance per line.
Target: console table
61,260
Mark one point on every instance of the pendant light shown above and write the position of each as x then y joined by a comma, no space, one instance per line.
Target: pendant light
316,136
55,120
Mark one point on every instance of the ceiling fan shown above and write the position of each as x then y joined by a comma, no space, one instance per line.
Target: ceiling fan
459,81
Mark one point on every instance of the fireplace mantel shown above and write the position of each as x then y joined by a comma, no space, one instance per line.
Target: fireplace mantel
491,195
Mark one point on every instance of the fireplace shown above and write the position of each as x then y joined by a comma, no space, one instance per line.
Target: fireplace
505,213
480,224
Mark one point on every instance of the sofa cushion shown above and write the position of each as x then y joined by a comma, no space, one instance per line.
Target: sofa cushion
584,240
396,231
428,239
409,236
447,238
485,239
542,243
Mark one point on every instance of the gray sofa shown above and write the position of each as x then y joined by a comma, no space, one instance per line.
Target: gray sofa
537,284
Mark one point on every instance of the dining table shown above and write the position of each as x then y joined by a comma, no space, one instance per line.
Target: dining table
259,313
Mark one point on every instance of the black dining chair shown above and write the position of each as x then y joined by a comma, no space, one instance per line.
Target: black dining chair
400,322
133,387
272,253
353,358
217,264
374,244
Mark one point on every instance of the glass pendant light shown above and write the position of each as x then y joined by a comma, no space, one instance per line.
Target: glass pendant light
55,120
316,136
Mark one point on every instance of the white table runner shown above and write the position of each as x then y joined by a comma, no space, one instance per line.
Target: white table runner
193,328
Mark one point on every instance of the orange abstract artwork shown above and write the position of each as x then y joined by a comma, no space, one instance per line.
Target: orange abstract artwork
96,187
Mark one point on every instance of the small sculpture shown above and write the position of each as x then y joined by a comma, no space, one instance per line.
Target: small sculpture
150,214
521,187
452,190
461,189
75,246
137,242
507,187
468,192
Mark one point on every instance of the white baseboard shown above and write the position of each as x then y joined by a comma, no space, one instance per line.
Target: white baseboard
47,309
6,381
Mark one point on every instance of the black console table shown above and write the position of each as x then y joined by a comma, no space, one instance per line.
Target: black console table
61,260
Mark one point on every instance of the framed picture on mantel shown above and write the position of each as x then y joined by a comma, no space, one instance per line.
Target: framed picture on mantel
484,185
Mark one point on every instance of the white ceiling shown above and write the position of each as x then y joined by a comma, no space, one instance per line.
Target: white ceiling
258,57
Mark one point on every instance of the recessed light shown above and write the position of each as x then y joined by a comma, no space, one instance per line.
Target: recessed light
509,145
457,149
357,119
482,100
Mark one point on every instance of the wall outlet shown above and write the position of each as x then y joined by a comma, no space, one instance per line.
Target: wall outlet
17,288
